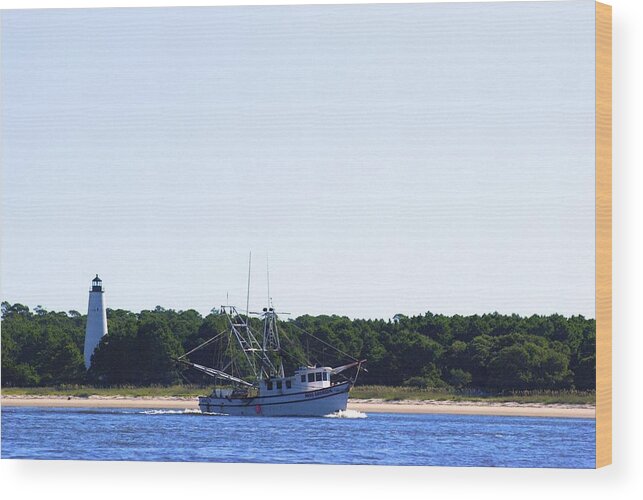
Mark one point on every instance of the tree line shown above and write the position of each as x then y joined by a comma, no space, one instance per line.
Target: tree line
489,352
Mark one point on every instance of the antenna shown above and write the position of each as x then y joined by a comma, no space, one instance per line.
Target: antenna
248,296
268,280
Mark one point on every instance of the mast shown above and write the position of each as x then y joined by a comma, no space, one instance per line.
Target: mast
248,295
271,341
248,343
268,281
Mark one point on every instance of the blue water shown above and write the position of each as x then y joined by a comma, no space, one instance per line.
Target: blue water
386,439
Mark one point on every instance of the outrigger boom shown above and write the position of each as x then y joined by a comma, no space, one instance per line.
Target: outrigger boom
217,373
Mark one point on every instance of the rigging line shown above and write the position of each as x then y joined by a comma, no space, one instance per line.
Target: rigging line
226,366
294,346
301,361
308,359
183,376
201,345
323,342
357,373
248,296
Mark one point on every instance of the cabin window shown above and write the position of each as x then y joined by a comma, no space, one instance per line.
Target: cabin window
303,378
318,376
279,384
288,384
325,375
269,386
311,377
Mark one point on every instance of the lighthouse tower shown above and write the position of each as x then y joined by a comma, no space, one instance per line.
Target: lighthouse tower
96,319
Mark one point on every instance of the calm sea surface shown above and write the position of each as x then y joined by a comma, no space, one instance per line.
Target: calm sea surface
386,439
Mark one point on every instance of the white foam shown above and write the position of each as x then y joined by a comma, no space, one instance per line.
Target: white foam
346,414
169,412
186,411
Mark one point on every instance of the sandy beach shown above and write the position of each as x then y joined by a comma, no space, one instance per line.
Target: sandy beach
474,408
361,405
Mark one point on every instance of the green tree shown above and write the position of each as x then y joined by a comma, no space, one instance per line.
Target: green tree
459,378
492,352
157,350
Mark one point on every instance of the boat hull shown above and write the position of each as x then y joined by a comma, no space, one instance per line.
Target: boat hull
303,404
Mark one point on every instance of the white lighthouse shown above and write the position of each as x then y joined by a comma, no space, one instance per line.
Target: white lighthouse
96,319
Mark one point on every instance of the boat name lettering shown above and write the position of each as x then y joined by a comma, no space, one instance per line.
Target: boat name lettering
317,393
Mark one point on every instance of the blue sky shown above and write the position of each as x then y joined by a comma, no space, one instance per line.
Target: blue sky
384,158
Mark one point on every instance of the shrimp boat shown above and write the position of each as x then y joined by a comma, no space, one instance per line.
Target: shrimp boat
312,390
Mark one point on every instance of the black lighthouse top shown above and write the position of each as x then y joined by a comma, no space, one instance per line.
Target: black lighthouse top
97,284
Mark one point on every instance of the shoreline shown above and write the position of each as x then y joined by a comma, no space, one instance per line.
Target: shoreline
362,405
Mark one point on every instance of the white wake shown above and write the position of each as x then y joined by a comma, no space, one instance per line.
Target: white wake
346,414
170,412
186,411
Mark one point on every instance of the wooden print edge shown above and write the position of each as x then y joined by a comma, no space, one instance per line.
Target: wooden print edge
603,234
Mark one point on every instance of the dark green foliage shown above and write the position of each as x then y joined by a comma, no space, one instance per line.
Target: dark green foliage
490,353
141,349
458,378
41,348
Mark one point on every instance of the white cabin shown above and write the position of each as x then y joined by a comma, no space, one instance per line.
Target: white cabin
306,378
